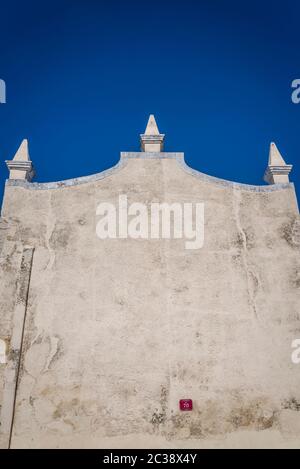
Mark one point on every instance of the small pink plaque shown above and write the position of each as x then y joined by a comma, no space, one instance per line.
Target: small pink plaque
186,404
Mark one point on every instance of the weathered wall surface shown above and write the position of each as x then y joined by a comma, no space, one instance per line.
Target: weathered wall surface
117,331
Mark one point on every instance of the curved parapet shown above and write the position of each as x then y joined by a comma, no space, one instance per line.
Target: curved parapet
125,156
22,171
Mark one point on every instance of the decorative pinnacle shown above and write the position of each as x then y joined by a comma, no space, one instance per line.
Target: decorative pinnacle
152,140
277,171
21,167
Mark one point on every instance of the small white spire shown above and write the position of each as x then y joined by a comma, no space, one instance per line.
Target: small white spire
152,140
275,158
277,171
21,167
151,128
22,152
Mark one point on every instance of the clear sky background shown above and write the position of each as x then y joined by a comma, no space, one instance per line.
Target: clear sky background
83,76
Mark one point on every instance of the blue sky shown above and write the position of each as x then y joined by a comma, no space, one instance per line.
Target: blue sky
83,76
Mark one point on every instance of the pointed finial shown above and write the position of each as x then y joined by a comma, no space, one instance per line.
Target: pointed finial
151,128
275,158
152,140
22,152
277,171
21,167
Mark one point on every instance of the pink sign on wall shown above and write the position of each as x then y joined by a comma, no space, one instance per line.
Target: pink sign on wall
186,404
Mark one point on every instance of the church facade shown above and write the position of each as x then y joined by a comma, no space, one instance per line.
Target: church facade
149,305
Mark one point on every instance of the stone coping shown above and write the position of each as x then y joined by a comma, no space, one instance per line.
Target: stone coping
126,156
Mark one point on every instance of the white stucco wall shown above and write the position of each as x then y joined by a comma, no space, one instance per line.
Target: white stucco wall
117,331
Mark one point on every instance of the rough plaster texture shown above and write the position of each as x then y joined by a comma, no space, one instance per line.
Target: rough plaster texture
117,331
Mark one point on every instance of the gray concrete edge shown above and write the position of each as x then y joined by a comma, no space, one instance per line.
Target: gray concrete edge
125,156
